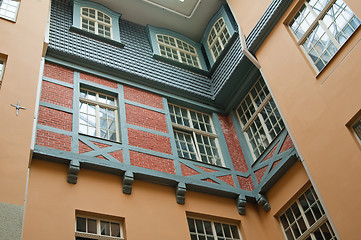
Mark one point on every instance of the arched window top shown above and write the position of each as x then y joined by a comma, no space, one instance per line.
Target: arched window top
95,21
177,50
220,31
218,38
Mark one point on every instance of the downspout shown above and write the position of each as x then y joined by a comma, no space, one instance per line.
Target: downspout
174,11
249,55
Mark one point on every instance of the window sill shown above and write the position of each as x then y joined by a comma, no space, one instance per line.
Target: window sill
95,236
97,37
99,138
8,19
206,164
181,65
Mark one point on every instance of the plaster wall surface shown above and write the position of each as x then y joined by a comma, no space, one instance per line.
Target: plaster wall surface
21,43
150,212
317,107
248,12
258,224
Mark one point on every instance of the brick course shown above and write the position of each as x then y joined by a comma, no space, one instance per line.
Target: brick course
260,173
98,80
59,73
145,118
152,162
83,148
149,141
53,140
270,154
55,118
187,171
233,145
57,94
146,98
246,183
117,155
228,179
287,144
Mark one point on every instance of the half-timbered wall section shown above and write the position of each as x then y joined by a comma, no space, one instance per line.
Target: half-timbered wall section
77,109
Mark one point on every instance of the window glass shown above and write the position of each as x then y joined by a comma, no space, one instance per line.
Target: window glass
98,115
177,50
259,117
96,22
9,9
91,227
306,219
322,27
218,38
194,135
203,229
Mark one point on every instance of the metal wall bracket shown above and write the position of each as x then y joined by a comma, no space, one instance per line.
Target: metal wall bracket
263,202
180,193
241,204
128,179
73,170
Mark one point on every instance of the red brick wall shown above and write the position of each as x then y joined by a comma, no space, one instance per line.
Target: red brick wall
83,148
287,144
57,94
246,183
118,155
270,154
228,179
234,148
259,173
145,118
143,97
152,162
53,140
55,118
187,171
57,72
149,141
98,80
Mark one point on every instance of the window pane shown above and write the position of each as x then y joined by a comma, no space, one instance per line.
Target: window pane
104,228
92,226
115,227
81,224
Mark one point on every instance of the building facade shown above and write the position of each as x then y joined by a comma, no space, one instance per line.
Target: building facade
150,126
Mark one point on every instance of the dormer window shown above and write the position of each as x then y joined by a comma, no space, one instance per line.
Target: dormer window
177,50
96,22
218,38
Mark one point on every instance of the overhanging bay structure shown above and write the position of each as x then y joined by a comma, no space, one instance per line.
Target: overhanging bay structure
201,120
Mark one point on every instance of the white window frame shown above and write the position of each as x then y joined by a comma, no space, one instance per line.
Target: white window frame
96,21
217,38
198,233
178,50
98,235
2,68
356,129
193,132
257,115
318,22
289,214
97,105
7,3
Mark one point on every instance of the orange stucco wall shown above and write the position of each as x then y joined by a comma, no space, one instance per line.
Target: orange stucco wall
248,12
22,44
150,212
316,108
